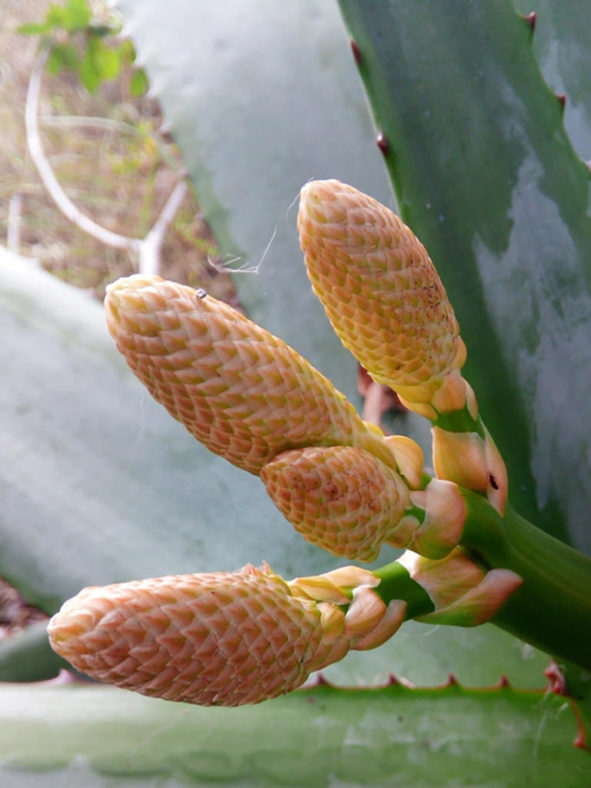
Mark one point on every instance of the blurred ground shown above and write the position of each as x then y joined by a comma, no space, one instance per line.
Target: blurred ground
120,174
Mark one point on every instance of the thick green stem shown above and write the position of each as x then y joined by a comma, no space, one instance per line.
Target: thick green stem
552,607
398,584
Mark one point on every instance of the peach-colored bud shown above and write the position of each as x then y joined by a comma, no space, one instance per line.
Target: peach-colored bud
212,639
368,622
463,593
380,290
443,524
219,638
340,498
409,458
472,462
237,388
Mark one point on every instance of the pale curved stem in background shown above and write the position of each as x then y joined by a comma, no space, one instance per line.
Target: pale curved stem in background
147,249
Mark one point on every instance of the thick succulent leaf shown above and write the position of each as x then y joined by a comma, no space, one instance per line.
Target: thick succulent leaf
486,176
561,44
317,737
27,656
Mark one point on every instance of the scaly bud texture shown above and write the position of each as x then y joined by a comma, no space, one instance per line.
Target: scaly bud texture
237,388
218,638
340,498
346,501
381,292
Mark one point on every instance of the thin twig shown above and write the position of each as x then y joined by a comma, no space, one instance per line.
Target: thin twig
148,249
61,199
13,235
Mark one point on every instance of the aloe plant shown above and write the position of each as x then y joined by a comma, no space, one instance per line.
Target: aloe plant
479,240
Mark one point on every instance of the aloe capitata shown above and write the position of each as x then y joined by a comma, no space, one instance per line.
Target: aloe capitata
233,638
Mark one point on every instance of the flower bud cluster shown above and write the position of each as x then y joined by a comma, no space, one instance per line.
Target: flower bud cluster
244,393
224,638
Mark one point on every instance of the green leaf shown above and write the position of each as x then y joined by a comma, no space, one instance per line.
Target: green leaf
27,656
138,84
317,737
56,15
561,44
488,179
283,104
88,72
99,63
35,29
62,56
76,15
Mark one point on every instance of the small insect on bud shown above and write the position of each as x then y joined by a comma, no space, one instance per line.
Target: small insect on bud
238,389
220,638
380,291
473,462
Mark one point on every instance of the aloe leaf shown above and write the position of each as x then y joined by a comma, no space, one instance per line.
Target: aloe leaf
27,656
561,45
486,176
314,737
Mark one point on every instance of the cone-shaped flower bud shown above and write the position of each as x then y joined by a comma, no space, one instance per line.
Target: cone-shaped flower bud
340,498
237,388
472,462
463,593
382,293
214,639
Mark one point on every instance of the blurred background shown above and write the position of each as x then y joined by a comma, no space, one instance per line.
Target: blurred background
114,159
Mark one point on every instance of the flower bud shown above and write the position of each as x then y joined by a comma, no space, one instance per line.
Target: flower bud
473,462
341,498
238,389
219,638
463,594
380,291
443,523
